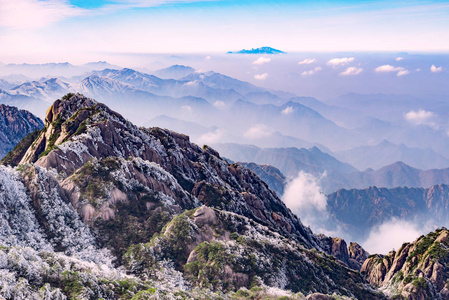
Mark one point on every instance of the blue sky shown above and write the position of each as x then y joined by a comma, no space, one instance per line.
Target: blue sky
37,28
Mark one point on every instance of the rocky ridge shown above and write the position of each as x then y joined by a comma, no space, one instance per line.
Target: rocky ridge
418,270
178,218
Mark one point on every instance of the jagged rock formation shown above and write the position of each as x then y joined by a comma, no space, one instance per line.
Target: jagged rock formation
417,270
97,188
354,256
15,124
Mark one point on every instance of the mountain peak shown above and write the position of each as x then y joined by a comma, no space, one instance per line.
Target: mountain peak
261,50
67,107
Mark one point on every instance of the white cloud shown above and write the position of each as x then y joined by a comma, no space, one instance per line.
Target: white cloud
210,137
304,193
311,72
307,61
435,69
288,110
402,73
191,83
219,104
351,71
418,70
208,58
261,60
29,14
399,58
389,68
257,131
391,235
419,117
261,76
336,62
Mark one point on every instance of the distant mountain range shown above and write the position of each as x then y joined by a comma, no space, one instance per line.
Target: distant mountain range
386,153
359,211
338,175
231,110
261,50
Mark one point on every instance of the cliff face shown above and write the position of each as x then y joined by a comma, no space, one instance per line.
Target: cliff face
417,270
96,188
79,131
15,124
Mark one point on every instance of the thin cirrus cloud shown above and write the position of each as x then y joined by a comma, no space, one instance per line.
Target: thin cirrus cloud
261,76
311,72
435,69
261,60
351,71
337,62
30,14
400,71
307,61
35,14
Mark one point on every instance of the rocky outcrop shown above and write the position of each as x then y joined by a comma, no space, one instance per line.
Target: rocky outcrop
98,188
78,130
417,270
15,124
353,256
224,250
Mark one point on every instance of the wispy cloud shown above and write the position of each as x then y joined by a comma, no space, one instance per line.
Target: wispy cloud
258,131
400,71
307,61
435,69
219,104
351,71
311,72
31,14
211,137
287,111
391,235
261,76
337,62
262,60
399,58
